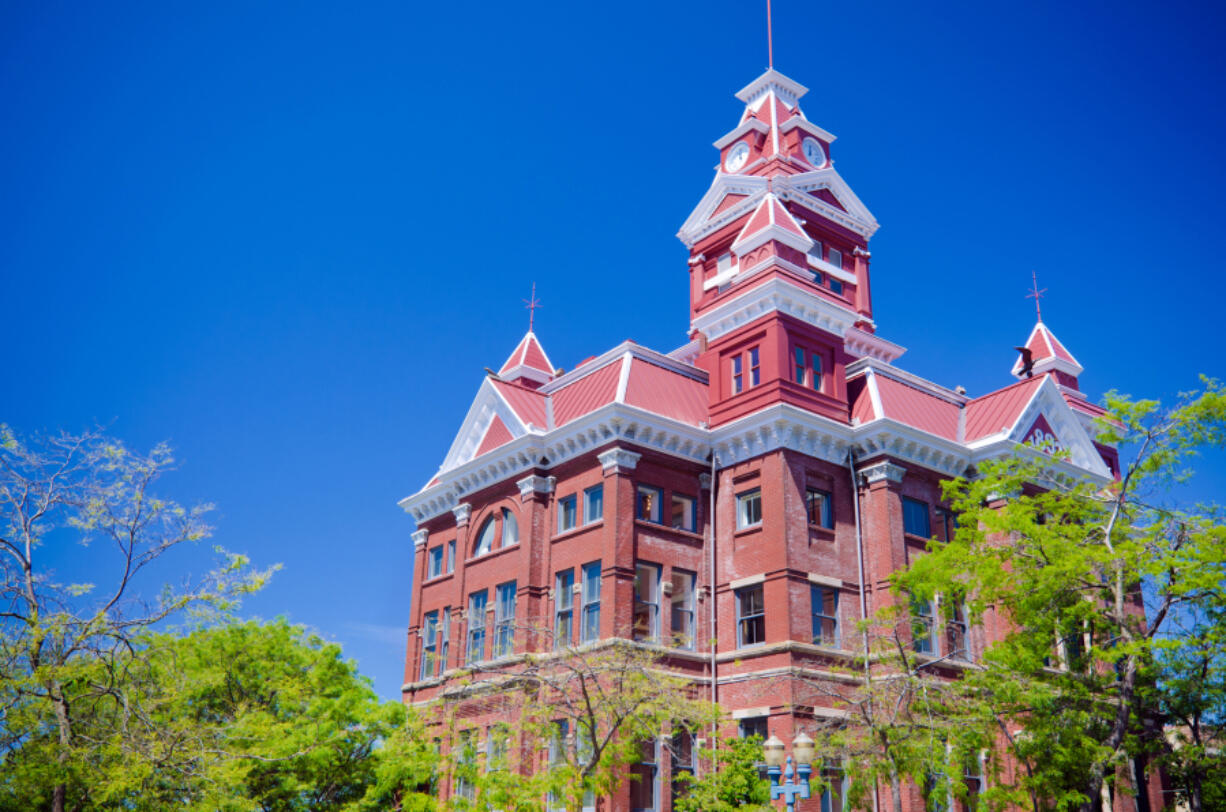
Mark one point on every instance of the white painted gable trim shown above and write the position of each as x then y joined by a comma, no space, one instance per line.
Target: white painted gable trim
486,405
771,295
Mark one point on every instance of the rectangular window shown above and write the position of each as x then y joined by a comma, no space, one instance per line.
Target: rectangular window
972,776
429,644
649,499
800,368
835,257
750,617
682,514
817,378
681,755
557,757
818,508
737,380
497,745
593,504
947,524
749,508
836,789
825,602
444,638
451,556
590,630
566,513
922,627
563,608
476,627
753,726
466,766
643,795
755,374
915,517
956,642
647,601
435,567
504,621
681,622
836,287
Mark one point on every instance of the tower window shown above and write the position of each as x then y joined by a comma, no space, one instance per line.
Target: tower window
737,377
836,286
754,370
807,368
836,258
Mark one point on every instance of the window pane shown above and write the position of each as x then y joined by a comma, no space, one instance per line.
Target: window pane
818,508
646,601
476,626
591,602
564,597
648,504
751,620
681,624
915,517
800,365
682,516
566,513
835,258
825,615
817,371
749,508
754,372
436,562
736,374
593,507
485,538
451,556
510,529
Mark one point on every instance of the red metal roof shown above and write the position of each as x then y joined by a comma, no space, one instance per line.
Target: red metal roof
586,394
861,400
528,404
497,434
666,392
529,353
999,410
917,408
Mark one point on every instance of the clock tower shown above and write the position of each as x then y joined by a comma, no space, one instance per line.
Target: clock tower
780,297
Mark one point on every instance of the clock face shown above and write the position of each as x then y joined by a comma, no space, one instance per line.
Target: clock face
737,156
814,153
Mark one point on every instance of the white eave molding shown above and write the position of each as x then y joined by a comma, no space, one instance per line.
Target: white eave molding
865,345
789,90
749,125
772,295
808,126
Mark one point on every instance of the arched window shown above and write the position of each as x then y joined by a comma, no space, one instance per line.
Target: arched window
485,538
510,529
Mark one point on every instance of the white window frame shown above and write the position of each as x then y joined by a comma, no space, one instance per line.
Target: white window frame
743,511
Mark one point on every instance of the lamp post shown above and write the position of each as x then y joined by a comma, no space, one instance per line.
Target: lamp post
789,791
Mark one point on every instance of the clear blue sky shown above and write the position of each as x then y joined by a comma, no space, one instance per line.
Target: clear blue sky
288,238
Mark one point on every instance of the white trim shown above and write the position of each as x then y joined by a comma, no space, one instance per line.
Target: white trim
751,713
419,538
825,580
874,394
462,512
774,295
883,471
746,126
876,365
865,344
623,379
748,580
790,91
809,127
746,242
722,277
488,403
617,460
770,99
834,270
625,348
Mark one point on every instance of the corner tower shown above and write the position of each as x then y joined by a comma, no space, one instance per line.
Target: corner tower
780,296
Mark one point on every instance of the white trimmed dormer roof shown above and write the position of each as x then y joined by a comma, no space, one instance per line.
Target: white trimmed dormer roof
771,221
528,360
1047,354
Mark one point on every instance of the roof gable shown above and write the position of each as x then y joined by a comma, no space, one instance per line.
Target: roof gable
528,360
487,406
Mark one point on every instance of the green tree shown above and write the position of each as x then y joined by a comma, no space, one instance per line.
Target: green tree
1089,579
241,717
64,647
730,780
582,717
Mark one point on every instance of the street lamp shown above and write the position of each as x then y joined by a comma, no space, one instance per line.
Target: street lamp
802,750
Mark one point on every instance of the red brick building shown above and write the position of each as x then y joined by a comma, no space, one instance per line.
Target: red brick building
584,500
